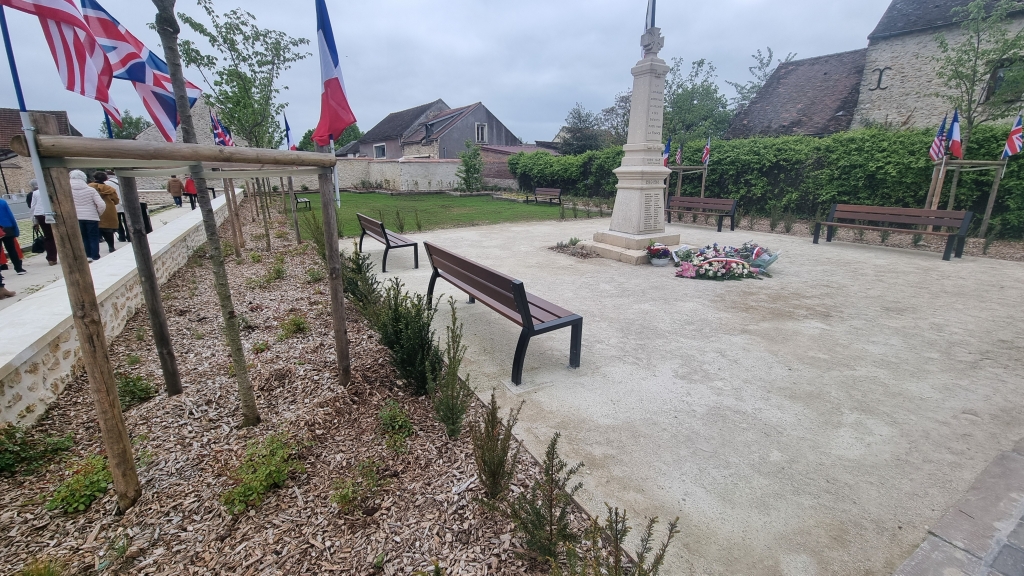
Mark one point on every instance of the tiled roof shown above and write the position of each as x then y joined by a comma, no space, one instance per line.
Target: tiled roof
396,124
814,96
10,124
904,16
441,123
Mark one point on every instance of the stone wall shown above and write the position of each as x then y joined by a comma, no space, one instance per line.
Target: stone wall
40,348
906,95
409,175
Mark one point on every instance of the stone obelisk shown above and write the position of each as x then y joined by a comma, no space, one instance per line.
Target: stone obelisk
639,214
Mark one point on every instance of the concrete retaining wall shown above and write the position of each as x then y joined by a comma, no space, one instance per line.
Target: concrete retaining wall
39,347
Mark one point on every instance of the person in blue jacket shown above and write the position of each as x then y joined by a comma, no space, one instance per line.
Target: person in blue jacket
10,227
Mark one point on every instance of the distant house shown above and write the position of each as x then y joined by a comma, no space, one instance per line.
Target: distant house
16,171
202,123
433,130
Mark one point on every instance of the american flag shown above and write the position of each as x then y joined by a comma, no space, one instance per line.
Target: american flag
679,155
1016,140
221,135
81,63
131,60
938,150
706,157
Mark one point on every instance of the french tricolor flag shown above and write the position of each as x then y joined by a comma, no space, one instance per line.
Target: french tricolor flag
288,135
956,147
335,112
667,154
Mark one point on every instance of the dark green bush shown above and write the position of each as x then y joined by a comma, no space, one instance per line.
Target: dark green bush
89,480
452,395
606,555
361,285
21,450
133,390
403,321
492,449
266,466
589,174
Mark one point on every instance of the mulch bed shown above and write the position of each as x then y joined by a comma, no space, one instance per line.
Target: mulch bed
190,445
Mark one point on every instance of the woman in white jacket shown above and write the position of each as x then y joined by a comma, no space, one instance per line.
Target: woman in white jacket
89,206
39,222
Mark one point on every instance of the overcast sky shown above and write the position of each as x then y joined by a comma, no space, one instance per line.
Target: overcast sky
528,61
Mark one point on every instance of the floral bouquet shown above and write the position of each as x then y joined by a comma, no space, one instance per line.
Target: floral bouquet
658,251
714,263
757,256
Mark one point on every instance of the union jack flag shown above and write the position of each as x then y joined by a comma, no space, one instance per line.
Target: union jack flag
938,150
80,60
221,135
707,153
131,60
1016,140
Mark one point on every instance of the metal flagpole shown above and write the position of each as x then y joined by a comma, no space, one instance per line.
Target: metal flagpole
26,123
337,189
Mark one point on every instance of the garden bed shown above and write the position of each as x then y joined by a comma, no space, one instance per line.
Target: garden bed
189,446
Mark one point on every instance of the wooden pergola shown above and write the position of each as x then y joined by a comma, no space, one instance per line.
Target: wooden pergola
132,159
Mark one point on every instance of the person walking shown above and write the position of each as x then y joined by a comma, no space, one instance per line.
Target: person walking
108,219
175,187
39,219
190,191
89,205
9,226
122,221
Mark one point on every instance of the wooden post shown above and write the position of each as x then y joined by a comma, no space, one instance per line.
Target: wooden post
255,203
330,221
992,200
262,183
150,286
952,188
931,187
238,213
679,185
937,195
232,217
295,214
703,180
85,311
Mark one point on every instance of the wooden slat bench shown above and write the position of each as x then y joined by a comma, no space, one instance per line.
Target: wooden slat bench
506,296
304,201
376,230
549,194
958,221
722,208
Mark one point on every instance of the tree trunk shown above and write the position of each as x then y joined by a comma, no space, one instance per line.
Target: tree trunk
167,27
150,286
85,312
232,217
238,216
330,219
261,183
295,214
249,195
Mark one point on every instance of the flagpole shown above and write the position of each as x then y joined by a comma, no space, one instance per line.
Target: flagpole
110,129
26,123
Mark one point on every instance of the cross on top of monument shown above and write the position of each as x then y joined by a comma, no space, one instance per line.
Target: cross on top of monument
651,41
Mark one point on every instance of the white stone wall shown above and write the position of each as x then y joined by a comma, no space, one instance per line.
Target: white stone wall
40,347
910,88
399,175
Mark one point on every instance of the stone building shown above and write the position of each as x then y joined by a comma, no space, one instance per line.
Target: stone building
893,81
16,171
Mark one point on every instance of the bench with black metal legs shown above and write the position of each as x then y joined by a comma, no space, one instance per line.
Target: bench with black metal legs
549,194
304,202
957,222
376,230
506,296
721,208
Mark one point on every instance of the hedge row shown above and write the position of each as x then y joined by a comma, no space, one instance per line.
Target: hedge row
807,175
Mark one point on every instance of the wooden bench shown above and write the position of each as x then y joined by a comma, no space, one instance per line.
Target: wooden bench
722,208
305,201
506,296
549,194
375,229
957,221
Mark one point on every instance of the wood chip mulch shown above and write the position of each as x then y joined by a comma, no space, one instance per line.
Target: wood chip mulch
190,445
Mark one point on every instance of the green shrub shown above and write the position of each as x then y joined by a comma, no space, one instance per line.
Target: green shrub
133,390
884,236
89,480
314,275
22,450
492,449
260,347
396,426
419,224
774,217
256,257
404,323
359,489
399,221
606,555
361,284
291,326
42,568
788,220
471,171
132,360
589,174
917,239
312,227
452,395
541,513
266,466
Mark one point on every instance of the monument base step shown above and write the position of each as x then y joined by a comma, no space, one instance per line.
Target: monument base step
619,254
635,241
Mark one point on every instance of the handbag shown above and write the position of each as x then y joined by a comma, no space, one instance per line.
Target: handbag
38,242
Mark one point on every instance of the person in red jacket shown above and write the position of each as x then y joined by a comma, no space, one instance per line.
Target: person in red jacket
190,191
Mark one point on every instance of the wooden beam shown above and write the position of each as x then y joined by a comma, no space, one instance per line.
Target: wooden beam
76,147
295,214
85,311
150,286
992,201
330,221
972,163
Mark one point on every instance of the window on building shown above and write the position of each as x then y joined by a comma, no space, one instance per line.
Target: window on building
481,133
380,151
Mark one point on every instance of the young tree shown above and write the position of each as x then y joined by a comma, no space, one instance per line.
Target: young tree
306,144
983,73
131,126
242,82
351,134
761,71
615,118
694,104
167,27
583,132
471,171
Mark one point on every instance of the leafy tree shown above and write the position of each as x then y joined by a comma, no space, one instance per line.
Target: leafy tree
351,134
582,132
983,74
471,172
761,71
307,141
694,104
242,78
131,126
615,118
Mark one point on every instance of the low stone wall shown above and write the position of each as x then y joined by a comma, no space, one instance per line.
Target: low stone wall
409,175
39,348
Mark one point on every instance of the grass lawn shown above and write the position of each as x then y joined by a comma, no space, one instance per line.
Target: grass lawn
435,211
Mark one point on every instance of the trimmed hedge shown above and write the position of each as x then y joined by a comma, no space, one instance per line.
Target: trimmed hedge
805,175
